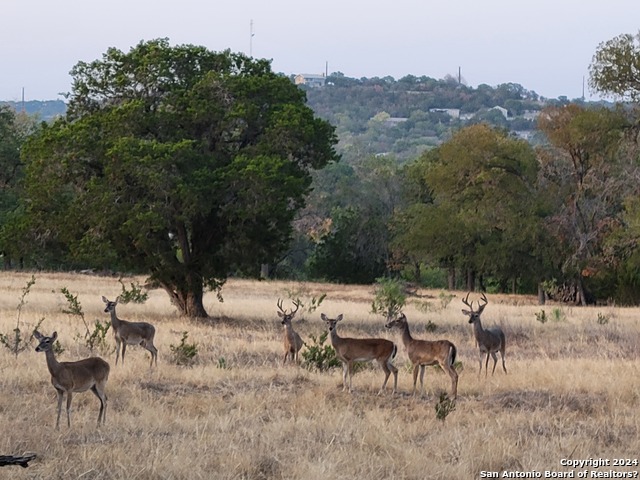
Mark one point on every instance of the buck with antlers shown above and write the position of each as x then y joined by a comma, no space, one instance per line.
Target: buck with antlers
423,353
69,377
350,350
292,341
489,341
130,333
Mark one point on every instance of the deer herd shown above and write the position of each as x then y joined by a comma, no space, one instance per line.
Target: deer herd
92,373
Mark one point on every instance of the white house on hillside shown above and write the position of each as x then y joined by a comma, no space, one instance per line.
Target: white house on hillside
310,80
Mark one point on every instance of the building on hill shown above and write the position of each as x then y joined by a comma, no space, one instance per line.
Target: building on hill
310,80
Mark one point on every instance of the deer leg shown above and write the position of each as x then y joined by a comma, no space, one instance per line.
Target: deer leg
415,377
454,379
69,397
486,365
124,349
284,359
422,369
495,361
345,369
394,370
504,367
103,403
118,342
480,361
153,350
60,394
387,372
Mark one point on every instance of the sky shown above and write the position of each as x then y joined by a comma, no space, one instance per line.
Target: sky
544,45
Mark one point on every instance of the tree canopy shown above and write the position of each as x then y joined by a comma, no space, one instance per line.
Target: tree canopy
175,161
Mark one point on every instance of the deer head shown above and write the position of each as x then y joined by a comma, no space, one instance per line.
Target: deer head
287,317
474,314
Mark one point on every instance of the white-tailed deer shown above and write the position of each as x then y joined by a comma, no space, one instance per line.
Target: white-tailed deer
423,353
130,333
350,350
90,373
292,341
489,341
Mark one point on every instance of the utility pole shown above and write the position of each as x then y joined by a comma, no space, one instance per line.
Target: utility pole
251,34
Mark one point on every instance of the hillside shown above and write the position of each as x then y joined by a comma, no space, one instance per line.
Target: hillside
381,116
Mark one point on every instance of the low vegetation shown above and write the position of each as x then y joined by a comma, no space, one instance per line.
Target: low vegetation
572,390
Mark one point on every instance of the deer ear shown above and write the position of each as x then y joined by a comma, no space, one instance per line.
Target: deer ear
323,317
117,299
54,335
280,314
37,335
466,312
104,299
338,318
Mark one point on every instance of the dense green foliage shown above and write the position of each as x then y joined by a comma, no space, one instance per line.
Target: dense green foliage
174,161
191,165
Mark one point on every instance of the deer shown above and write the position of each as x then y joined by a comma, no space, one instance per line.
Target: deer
350,350
489,341
292,341
70,377
130,333
423,353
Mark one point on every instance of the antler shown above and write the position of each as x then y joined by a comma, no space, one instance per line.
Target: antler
280,306
465,300
296,303
481,307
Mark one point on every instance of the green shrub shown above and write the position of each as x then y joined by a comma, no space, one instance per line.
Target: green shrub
16,342
390,297
318,356
444,406
184,353
135,294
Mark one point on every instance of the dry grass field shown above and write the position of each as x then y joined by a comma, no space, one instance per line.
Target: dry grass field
572,391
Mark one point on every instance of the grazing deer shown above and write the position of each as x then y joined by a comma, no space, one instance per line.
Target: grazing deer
423,353
292,341
489,341
90,373
131,333
350,350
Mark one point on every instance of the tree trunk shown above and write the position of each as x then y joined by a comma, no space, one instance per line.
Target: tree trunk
188,297
417,275
451,278
264,271
542,297
471,280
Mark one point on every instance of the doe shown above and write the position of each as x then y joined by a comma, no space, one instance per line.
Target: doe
69,377
130,333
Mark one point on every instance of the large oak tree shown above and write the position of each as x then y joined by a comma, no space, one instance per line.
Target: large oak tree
177,161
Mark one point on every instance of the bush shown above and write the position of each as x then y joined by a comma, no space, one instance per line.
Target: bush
390,297
318,356
184,353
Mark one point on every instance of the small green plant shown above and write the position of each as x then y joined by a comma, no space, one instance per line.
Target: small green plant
96,339
541,316
318,356
16,342
445,299
558,315
222,363
603,319
390,297
136,294
430,326
444,406
184,353
302,297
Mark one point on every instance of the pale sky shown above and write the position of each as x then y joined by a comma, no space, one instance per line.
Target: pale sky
544,45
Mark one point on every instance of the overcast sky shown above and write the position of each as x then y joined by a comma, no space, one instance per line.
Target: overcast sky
544,45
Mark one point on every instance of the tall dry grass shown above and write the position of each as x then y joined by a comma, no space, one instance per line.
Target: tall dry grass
571,391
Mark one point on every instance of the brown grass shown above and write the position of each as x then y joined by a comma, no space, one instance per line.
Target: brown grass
572,391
